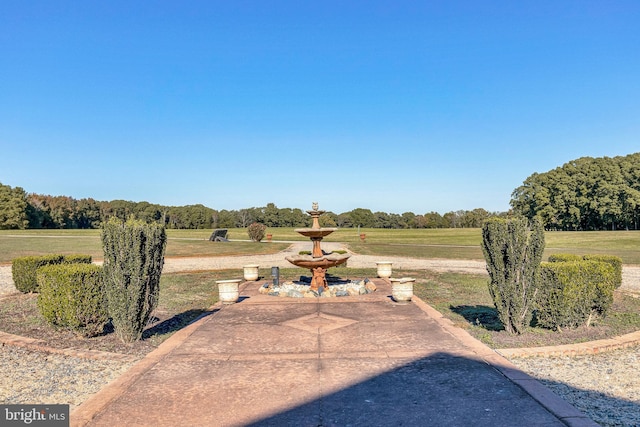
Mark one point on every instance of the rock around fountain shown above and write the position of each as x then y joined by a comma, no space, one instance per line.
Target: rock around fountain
319,261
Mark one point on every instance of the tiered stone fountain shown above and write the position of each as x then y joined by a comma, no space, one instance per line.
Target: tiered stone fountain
319,261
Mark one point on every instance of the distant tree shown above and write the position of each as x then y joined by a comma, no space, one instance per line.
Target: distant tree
13,208
474,218
326,220
344,220
395,221
300,219
408,220
362,217
584,194
270,215
88,214
433,220
246,217
382,220
227,219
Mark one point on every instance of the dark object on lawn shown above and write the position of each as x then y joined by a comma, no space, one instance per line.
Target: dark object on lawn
219,235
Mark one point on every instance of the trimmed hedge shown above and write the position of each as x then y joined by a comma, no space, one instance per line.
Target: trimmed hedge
72,296
571,292
616,262
24,269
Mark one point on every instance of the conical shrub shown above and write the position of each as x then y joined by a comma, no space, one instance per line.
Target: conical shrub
133,260
513,251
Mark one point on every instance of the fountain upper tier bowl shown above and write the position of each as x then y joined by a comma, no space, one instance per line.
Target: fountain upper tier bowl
315,232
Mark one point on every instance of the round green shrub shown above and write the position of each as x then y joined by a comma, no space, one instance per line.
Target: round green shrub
614,262
72,296
24,270
572,292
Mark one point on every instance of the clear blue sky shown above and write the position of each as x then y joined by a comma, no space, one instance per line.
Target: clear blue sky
393,106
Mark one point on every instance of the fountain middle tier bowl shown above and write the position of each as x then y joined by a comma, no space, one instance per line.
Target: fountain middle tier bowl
315,232
325,261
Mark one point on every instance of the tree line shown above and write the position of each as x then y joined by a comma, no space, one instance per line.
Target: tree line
19,210
584,194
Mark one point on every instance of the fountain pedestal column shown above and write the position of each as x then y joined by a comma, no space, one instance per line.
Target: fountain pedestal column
317,251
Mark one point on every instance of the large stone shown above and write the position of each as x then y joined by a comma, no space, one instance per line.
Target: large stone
353,292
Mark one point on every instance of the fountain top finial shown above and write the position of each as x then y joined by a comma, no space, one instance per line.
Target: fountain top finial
314,206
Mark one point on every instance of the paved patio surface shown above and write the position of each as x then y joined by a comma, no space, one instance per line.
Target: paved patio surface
349,361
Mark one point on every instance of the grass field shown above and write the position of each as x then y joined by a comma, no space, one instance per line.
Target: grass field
460,297
460,243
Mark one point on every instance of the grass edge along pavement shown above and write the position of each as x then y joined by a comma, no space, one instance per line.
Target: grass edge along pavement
464,299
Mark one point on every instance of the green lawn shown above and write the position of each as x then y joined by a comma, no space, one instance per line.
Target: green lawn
462,298
180,243
465,300
423,243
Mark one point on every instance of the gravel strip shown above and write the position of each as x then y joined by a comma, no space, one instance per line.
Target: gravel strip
605,386
35,377
6,281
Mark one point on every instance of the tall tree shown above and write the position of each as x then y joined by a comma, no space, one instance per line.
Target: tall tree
13,208
584,194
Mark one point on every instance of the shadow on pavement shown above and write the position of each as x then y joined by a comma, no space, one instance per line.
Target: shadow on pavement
439,390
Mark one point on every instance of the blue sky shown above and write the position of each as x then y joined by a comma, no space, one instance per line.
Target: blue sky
391,106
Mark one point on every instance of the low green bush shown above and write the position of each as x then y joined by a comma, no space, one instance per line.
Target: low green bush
614,261
24,270
572,292
72,296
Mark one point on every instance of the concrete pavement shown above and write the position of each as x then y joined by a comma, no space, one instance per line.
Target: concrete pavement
349,361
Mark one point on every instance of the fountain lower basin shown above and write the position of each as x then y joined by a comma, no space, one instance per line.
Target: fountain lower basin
325,261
